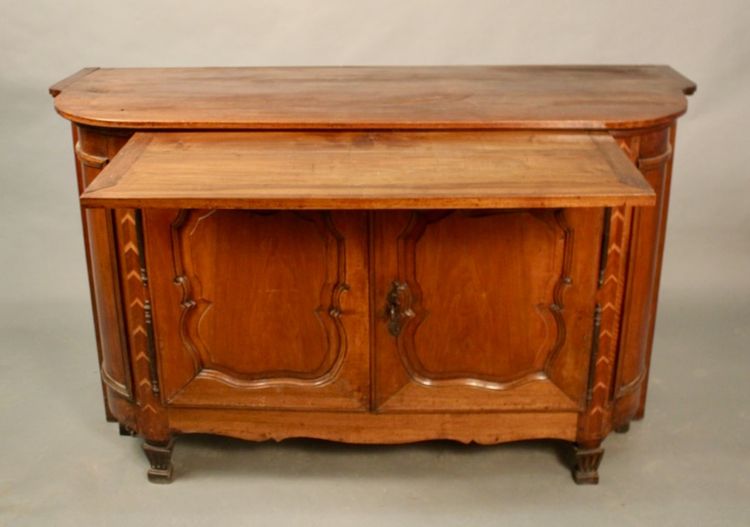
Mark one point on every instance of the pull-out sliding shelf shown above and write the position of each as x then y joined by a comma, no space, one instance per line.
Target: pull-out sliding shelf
369,170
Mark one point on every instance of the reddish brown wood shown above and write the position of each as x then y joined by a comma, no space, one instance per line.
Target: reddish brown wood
160,457
365,170
114,367
377,428
494,302
595,422
256,309
81,185
59,86
137,304
427,97
665,191
450,321
586,469
117,381
652,152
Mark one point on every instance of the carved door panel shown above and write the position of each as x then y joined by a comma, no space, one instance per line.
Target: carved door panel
484,310
260,309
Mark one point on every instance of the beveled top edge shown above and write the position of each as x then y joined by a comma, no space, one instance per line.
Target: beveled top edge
375,97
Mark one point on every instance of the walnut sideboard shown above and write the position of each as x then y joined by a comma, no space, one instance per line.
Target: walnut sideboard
374,254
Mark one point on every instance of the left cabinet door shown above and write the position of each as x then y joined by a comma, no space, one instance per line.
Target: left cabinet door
265,309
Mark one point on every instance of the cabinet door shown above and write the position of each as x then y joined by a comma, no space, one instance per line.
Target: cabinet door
260,309
484,310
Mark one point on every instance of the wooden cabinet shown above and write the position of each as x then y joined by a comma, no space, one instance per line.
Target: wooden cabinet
270,258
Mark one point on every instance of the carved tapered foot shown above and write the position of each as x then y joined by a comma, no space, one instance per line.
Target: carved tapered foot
587,465
160,457
623,429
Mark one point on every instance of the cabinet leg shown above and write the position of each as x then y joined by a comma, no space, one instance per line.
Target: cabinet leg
586,470
125,431
623,429
160,457
107,412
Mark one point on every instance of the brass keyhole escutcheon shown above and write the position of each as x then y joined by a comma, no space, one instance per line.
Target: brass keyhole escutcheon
397,307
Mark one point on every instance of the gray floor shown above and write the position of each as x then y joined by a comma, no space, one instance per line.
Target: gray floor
686,464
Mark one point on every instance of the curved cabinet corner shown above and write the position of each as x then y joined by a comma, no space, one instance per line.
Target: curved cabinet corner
651,150
93,149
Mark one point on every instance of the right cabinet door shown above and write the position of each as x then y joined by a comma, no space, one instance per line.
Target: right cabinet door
484,310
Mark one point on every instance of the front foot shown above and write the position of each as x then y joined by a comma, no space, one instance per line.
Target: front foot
160,457
125,431
586,470
623,429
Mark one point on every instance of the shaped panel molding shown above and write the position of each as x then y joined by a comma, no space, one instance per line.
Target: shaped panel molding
492,321
233,268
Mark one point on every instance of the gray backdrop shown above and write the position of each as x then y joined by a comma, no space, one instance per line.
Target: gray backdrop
686,464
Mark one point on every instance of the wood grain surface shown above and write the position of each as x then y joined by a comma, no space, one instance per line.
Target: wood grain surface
260,309
369,170
394,323
494,303
434,97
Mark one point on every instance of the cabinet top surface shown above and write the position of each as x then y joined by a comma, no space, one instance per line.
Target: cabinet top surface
413,97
